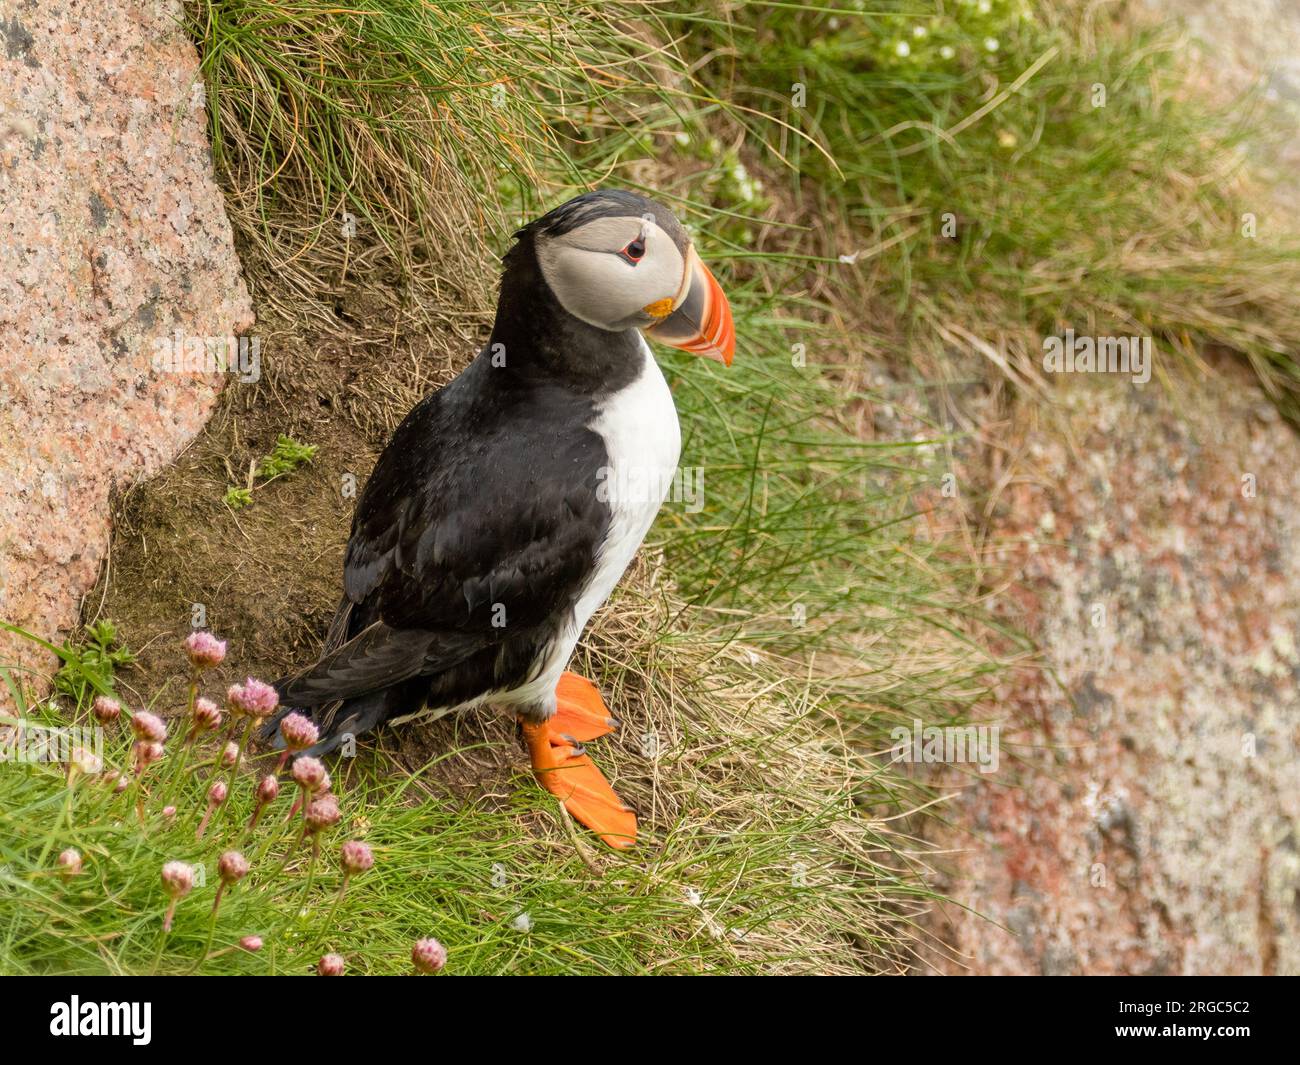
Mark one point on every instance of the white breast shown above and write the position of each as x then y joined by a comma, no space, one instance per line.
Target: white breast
643,440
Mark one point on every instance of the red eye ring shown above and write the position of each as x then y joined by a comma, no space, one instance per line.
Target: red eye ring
634,252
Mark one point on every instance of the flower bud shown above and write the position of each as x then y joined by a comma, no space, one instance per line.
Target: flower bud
148,727
204,650
178,879
146,754
207,715
86,761
323,813
309,773
428,955
356,857
299,732
232,867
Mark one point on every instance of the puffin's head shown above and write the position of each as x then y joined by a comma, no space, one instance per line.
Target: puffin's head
619,261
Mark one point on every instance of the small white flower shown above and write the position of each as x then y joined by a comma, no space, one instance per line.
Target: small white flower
947,51
522,922
682,137
919,32
991,44
984,7
902,49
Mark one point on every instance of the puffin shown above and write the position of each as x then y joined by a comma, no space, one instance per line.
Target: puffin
508,503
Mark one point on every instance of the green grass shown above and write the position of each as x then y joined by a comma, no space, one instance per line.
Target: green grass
786,885
1089,186
417,122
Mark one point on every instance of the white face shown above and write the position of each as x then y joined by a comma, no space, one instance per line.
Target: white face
615,273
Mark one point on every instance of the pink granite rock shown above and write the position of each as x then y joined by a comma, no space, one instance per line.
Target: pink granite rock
113,243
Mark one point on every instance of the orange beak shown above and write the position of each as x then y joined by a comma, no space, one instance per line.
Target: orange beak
701,324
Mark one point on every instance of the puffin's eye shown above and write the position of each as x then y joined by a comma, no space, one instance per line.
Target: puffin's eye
634,252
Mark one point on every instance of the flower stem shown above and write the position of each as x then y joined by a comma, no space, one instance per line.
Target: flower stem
329,917
239,756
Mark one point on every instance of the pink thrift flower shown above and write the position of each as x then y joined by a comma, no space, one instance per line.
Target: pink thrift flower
309,773
299,732
428,955
253,697
323,813
149,727
178,879
106,710
330,965
356,857
230,755
204,650
232,867
146,754
207,716
69,862
86,761
252,944
268,788
216,796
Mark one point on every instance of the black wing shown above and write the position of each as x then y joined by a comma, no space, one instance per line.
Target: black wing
481,521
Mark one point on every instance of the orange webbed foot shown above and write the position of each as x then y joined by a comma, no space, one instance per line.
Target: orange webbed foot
580,712
566,772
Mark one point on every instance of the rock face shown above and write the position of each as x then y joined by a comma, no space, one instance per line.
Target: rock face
1146,814
1150,820
114,246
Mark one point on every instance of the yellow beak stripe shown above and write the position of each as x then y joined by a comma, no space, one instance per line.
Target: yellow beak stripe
660,308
